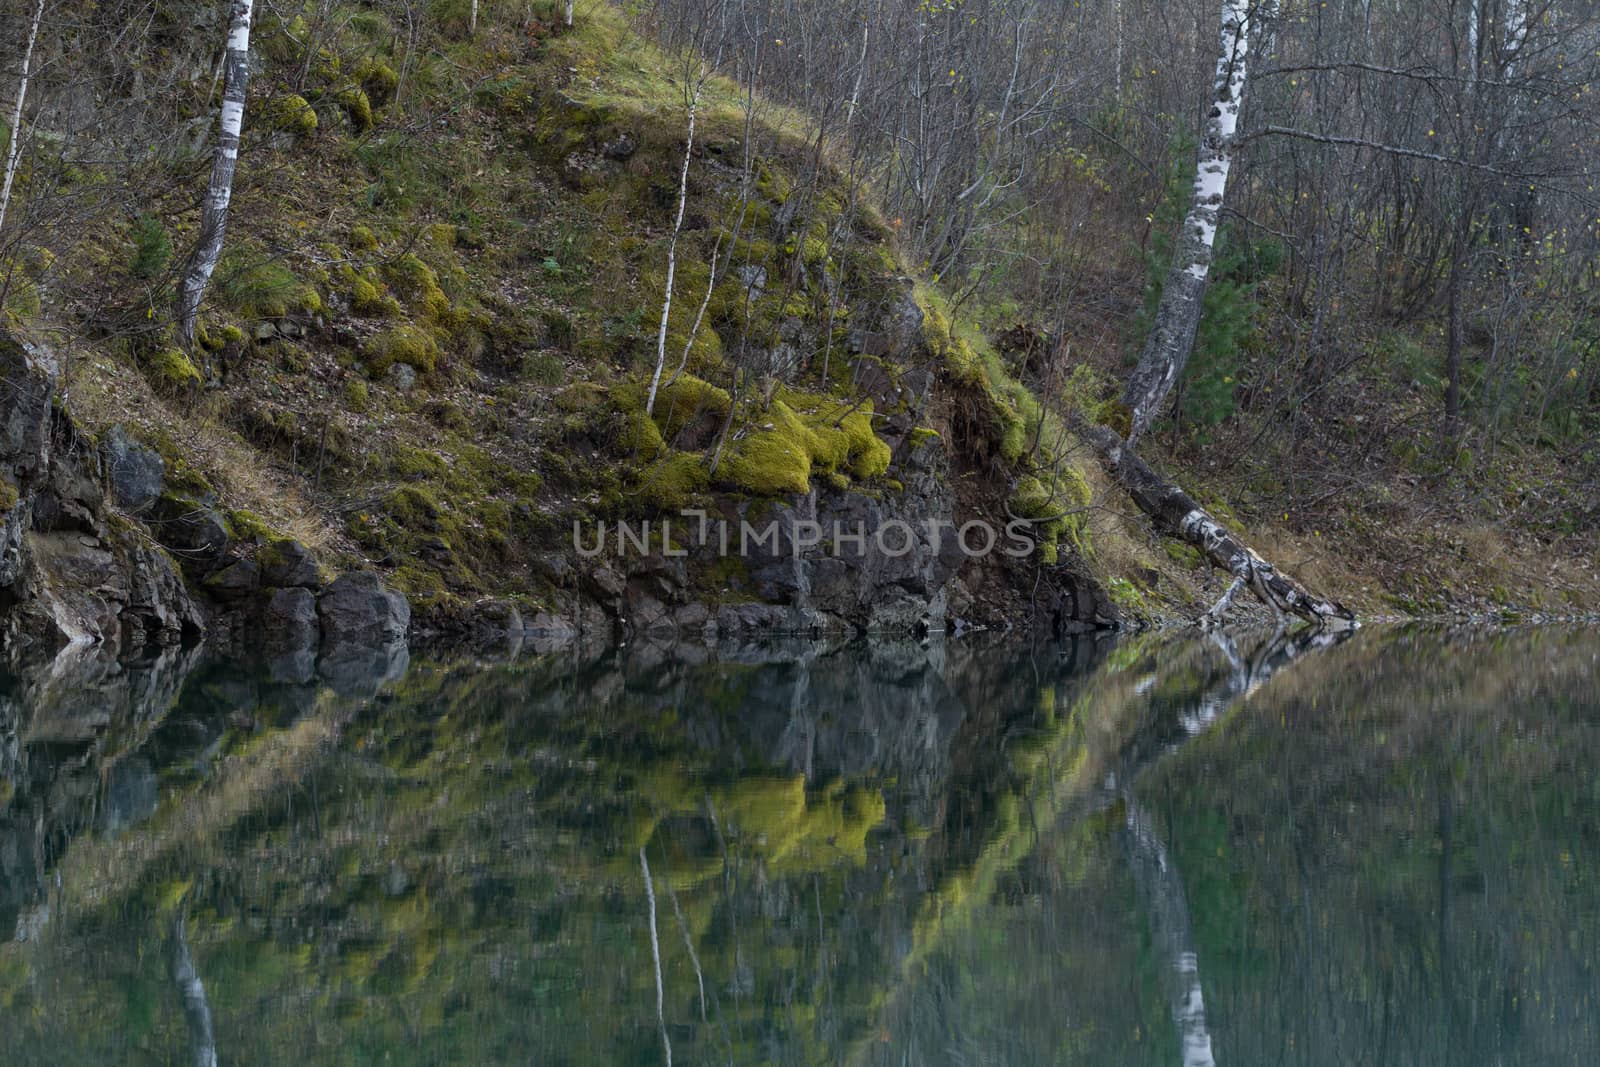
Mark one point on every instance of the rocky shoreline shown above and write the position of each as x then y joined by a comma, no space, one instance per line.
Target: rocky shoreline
104,544
103,547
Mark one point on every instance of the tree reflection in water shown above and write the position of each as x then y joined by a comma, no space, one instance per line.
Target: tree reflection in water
871,853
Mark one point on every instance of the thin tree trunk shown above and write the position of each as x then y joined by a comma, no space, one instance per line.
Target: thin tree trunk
14,152
1453,343
214,216
672,248
570,4
1166,350
472,20
1176,514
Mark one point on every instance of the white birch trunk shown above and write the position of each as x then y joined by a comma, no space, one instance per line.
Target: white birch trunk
861,69
1166,351
570,5
214,215
14,152
472,20
1116,12
672,250
1176,514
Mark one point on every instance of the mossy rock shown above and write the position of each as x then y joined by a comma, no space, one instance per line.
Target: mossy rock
678,407
671,482
378,80
171,370
800,432
362,239
357,396
248,526
366,298
357,107
289,113
417,285
402,344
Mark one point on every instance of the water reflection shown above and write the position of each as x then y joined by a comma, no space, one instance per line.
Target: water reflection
1266,851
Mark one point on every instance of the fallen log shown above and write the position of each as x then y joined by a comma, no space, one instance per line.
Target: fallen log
1176,514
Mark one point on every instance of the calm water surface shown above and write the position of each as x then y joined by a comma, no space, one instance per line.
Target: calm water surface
1384,850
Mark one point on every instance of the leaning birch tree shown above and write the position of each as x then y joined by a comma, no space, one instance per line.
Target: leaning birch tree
1174,512
1166,350
214,215
14,150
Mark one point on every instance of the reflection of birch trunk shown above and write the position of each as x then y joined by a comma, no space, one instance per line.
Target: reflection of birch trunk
655,955
1161,890
196,1009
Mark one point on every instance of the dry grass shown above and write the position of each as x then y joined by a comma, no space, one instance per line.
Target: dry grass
102,391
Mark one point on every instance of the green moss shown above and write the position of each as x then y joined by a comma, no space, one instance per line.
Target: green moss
800,432
8,495
402,344
669,483
921,435
362,239
367,299
378,79
357,396
358,106
416,283
171,369
248,526
289,113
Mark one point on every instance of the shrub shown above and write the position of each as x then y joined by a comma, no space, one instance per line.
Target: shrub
151,247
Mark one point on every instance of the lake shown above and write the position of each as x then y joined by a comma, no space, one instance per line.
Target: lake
1380,848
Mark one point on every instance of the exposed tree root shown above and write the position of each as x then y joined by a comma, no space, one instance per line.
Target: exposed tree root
1176,514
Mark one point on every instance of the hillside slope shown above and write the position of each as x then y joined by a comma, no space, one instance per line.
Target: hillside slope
429,348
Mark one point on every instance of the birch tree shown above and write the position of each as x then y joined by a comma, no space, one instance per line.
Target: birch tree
14,150
697,87
1166,350
214,215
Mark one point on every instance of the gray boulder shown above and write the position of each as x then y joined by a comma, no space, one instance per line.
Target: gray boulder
288,563
136,471
358,609
235,581
288,620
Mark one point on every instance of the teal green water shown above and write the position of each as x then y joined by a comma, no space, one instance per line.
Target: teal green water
1383,850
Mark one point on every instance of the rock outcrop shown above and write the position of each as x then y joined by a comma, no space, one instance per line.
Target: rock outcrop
98,548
